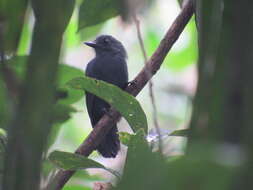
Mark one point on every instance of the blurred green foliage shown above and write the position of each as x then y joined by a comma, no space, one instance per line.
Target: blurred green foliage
143,169
182,56
86,23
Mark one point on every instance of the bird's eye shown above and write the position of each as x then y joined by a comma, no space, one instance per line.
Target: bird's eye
106,40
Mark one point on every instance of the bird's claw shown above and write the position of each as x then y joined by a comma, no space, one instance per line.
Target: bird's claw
132,82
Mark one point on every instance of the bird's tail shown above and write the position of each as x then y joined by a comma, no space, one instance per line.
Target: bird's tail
110,146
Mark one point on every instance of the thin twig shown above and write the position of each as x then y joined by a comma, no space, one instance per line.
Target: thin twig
106,122
150,83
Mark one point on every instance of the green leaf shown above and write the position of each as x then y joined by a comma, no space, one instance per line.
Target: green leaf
191,170
72,38
65,73
131,139
125,137
181,133
97,11
144,169
126,104
61,113
76,187
71,161
13,22
26,35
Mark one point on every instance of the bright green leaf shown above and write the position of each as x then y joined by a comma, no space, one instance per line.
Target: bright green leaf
75,187
126,104
26,35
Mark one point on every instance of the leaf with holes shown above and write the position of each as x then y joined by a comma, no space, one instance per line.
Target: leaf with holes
125,103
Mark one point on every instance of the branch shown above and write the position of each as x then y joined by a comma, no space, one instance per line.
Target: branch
150,84
152,66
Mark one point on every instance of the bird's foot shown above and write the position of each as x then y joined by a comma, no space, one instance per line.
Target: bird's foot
132,82
107,111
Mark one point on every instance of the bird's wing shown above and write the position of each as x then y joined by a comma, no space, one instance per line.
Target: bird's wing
89,97
90,104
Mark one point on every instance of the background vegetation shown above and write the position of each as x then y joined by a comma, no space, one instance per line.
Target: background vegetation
42,111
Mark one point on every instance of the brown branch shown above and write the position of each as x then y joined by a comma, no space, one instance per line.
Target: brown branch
152,66
150,84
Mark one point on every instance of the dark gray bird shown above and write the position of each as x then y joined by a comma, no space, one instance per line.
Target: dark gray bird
110,66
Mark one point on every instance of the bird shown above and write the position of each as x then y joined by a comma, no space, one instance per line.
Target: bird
109,65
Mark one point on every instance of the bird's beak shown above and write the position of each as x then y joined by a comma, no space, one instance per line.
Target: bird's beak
91,44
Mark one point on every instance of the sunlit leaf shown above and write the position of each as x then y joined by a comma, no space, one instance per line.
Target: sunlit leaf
75,187
26,35
126,104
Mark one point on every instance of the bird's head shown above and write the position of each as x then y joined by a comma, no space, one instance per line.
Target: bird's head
107,45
